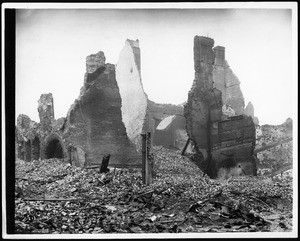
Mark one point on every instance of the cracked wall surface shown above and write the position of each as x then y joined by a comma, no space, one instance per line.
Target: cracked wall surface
223,136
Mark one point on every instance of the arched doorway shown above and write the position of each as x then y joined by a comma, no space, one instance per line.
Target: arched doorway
28,150
54,149
36,148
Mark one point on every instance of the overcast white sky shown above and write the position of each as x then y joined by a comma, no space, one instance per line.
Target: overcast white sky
52,45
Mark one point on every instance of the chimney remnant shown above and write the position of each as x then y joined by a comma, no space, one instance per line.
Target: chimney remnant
222,136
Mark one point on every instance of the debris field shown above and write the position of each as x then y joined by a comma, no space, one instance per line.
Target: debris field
54,197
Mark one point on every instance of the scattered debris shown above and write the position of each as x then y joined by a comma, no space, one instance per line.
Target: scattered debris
179,200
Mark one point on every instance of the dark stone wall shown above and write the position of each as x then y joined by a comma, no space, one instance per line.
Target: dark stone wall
204,101
28,135
94,122
221,141
233,139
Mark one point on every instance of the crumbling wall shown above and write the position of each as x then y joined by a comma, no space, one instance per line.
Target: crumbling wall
94,122
222,136
134,100
249,111
204,101
233,142
227,82
27,135
46,112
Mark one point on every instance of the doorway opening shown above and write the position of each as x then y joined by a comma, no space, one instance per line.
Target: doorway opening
54,149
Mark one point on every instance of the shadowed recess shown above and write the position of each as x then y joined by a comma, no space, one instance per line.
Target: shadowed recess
54,149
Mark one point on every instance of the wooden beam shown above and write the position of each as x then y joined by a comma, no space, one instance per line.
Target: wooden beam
185,146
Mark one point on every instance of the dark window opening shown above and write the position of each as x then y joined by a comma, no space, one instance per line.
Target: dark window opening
36,148
20,156
54,149
28,151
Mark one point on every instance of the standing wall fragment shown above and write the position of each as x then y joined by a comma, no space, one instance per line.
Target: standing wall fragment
222,135
94,121
134,100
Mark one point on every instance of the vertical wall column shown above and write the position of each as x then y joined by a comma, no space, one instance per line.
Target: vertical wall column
46,112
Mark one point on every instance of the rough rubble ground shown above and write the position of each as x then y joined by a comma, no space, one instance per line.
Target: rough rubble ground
55,197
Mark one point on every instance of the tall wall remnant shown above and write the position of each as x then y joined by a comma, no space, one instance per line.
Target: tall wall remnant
94,121
222,135
134,100
204,103
225,80
46,111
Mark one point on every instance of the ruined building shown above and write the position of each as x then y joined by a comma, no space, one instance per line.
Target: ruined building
112,111
94,122
222,135
40,140
108,117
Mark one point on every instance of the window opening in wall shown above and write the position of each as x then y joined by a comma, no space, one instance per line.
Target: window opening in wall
36,148
28,151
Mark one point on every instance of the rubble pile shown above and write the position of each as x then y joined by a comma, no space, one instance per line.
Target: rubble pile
55,197
276,145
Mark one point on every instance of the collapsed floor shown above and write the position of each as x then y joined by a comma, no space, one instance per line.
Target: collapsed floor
55,197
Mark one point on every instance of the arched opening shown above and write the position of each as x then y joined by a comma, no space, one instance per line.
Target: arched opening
22,150
28,151
36,148
20,147
54,149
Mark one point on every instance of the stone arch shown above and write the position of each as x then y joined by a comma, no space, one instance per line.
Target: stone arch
36,148
54,147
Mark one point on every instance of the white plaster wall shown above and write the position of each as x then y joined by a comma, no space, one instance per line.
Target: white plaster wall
134,99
